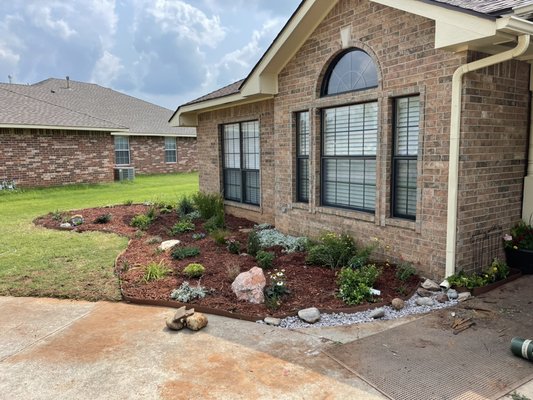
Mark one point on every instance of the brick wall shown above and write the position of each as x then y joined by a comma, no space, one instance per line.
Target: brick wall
55,157
148,155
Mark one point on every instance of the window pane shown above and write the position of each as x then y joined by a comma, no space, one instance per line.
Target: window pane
231,145
407,126
251,189
355,70
122,150
303,179
250,134
405,190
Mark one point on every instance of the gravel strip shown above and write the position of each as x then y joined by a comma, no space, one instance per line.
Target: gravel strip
338,319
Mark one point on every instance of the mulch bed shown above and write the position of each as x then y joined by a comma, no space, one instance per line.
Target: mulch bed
310,286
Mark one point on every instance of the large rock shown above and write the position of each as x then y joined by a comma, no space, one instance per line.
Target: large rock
272,321
424,301
377,313
196,321
309,315
442,298
452,294
424,292
168,244
431,285
249,286
174,325
397,304
464,296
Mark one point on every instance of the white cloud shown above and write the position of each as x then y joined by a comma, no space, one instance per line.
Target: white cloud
42,17
106,69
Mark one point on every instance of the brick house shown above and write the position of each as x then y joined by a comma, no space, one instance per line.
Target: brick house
405,120
59,131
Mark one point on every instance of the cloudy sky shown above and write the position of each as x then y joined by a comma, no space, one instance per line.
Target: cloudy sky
164,51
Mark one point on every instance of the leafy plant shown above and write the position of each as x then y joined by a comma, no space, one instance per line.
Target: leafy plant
141,221
355,284
265,259
152,212
179,253
155,271
194,270
127,202
138,234
181,227
191,216
496,271
103,219
276,289
272,237
404,271
518,396
233,246
154,240
198,236
185,205
208,204
186,293
219,236
254,245
333,251
57,215
521,237
214,223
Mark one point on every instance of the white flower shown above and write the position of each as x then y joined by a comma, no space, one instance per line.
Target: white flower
279,283
507,237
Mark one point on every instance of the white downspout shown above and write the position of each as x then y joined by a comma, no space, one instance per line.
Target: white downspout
527,205
455,135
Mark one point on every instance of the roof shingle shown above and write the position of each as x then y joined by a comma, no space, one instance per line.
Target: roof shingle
490,7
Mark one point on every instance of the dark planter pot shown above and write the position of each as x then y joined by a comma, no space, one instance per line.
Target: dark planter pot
520,259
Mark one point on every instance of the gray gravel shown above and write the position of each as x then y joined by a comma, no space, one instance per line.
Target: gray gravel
338,319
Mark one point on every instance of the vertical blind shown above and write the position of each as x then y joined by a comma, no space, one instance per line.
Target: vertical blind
302,156
122,150
170,150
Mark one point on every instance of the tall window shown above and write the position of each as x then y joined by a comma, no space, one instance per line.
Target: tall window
349,144
404,160
170,150
302,156
122,150
240,143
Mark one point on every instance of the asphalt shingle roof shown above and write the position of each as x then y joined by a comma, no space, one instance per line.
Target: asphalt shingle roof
491,7
222,92
93,101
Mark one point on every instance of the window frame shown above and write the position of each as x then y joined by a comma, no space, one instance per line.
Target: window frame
242,170
171,151
300,196
128,150
395,158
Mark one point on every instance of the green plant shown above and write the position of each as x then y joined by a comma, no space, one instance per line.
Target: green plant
355,284
233,246
191,216
152,213
57,215
141,221
254,245
103,219
333,251
401,290
520,238
154,240
232,272
179,253
518,396
138,234
276,289
404,271
198,236
272,237
186,293
127,202
214,223
155,271
208,204
194,270
496,271
219,236
265,259
185,205
181,227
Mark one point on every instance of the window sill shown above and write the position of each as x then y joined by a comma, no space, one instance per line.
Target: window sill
401,223
350,214
171,162
244,206
300,206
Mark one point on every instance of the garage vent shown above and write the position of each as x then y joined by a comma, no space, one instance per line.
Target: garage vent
124,174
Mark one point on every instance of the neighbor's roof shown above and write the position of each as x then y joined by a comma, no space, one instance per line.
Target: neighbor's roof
225,91
490,7
98,103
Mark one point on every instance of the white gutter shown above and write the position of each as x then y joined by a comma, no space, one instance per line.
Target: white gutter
455,136
527,201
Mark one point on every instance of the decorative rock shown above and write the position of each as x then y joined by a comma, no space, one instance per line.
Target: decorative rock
174,325
168,244
196,321
424,301
249,286
397,304
464,296
65,225
431,285
452,294
309,315
245,230
377,313
424,292
272,321
182,313
76,220
442,298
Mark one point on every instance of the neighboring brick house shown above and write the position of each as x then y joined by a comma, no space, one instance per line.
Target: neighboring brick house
59,131
371,117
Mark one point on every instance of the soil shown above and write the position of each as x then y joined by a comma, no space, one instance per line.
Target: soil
310,286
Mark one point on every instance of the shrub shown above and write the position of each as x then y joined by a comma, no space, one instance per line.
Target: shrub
165,208
154,240
355,284
191,216
219,236
127,202
208,204
233,246
186,293
233,272
103,219
496,271
254,245
181,227
272,237
152,213
214,223
185,205
198,236
57,215
276,289
194,270
333,251
141,221
404,271
265,259
179,253
155,271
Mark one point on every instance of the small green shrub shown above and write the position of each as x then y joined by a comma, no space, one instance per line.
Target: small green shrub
57,215
154,240
333,251
233,246
208,204
191,216
186,293
271,237
181,227
254,245
276,289
127,202
214,223
155,271
496,271
179,253
185,205
404,271
165,208
194,270
152,212
141,221
138,234
198,236
265,259
355,284
103,219
219,236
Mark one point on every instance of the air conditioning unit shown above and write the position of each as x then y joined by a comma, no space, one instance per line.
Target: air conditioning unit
124,173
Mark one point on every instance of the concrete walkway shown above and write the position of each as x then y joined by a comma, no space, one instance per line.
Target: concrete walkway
61,349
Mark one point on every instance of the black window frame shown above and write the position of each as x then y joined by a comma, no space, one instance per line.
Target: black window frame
243,173
302,195
398,158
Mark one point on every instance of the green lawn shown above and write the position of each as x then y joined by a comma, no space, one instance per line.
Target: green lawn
39,262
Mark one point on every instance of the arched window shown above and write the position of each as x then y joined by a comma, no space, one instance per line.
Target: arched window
351,71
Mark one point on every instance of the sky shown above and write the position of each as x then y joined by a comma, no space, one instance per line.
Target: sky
167,52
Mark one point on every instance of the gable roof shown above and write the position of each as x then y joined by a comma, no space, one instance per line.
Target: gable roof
99,103
489,7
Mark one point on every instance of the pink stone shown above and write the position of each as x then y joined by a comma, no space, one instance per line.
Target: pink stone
249,286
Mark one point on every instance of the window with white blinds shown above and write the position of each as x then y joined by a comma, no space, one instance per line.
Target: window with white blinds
122,150
241,159
302,156
170,150
349,147
405,157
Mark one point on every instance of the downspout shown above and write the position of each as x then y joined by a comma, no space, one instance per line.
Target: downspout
527,206
455,135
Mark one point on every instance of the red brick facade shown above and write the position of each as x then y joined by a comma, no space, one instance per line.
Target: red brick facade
494,129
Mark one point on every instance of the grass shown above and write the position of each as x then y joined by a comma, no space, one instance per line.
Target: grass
40,262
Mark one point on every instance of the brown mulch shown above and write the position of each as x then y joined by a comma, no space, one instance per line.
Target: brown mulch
310,286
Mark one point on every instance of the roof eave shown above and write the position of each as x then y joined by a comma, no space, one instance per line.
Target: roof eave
66,128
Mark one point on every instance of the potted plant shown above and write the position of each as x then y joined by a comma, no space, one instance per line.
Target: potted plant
518,245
